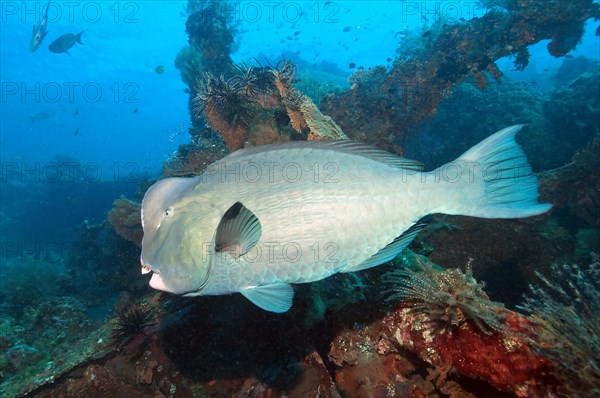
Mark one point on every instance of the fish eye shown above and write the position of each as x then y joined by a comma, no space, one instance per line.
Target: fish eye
168,212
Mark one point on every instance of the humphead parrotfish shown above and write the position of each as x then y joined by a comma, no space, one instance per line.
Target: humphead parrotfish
263,218
64,43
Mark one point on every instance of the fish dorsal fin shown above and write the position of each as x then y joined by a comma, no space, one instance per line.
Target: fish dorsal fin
392,249
275,298
238,231
346,146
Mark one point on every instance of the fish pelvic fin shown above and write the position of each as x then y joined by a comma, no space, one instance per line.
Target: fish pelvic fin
274,298
496,180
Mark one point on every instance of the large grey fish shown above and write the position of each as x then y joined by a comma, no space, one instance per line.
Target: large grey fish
64,43
265,217
39,32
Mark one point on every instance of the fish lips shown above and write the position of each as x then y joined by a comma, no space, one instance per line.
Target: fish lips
170,283
156,282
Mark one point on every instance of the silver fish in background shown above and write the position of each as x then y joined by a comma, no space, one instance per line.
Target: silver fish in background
39,33
266,217
64,43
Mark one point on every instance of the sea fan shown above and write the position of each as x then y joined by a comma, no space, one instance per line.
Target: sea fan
448,298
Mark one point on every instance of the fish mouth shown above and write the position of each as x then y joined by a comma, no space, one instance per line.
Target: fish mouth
157,283
145,268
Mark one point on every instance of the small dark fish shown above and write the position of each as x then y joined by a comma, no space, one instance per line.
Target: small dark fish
76,132
65,42
39,33
159,69
135,110
424,18
296,33
426,34
42,115
76,112
352,65
186,90
347,29
388,59
289,37
568,56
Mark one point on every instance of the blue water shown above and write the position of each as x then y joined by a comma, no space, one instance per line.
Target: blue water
107,109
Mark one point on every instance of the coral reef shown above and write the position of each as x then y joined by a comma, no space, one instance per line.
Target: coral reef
125,218
102,265
260,106
211,38
225,107
564,310
29,279
411,91
574,108
50,339
131,321
446,298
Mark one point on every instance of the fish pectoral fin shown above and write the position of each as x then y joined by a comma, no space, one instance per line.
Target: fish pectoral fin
238,231
274,298
392,249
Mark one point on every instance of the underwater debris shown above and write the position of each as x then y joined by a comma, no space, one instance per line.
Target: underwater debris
304,115
447,298
415,85
132,321
564,309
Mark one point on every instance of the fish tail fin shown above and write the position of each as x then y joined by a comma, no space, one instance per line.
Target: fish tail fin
78,37
496,180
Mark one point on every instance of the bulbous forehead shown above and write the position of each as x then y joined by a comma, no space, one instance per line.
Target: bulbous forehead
160,196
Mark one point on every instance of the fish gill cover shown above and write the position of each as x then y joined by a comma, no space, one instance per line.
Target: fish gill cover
102,99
